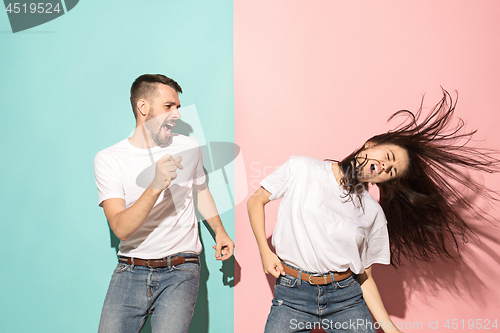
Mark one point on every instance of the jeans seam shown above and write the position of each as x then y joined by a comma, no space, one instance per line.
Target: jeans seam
347,285
142,325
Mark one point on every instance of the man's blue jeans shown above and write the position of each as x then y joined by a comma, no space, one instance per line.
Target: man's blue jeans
336,307
169,294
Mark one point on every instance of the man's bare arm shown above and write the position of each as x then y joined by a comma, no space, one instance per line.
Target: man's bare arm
205,204
125,221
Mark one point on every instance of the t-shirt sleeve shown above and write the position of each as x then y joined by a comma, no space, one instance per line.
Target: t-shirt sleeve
199,176
277,182
107,178
376,249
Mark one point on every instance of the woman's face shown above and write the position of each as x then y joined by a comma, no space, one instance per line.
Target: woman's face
380,163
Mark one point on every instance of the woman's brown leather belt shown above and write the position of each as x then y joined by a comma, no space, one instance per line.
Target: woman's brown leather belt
319,279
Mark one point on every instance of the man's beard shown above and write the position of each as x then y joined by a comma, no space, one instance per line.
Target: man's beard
156,131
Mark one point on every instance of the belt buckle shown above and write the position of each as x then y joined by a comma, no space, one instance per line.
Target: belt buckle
319,276
147,263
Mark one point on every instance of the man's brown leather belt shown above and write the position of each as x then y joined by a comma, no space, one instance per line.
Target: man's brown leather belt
158,263
319,279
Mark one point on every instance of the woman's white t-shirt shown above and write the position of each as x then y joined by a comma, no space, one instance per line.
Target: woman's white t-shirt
318,229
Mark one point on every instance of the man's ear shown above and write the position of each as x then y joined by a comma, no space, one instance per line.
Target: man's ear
142,107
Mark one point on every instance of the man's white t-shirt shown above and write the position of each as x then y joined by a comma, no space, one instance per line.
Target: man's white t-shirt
124,171
318,230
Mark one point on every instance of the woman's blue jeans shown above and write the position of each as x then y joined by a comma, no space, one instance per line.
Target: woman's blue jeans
168,294
337,307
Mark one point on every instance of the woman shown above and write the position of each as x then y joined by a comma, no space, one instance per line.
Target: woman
330,230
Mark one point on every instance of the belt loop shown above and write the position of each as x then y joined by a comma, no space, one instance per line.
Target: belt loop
133,264
299,277
332,276
169,261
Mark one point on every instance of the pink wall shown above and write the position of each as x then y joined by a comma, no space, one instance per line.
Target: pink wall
318,77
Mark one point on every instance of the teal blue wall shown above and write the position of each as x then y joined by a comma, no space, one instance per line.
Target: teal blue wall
64,89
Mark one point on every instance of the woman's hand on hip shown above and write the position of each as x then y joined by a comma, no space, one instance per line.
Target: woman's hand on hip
272,264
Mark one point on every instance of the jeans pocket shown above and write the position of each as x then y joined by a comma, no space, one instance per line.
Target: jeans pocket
346,282
193,268
286,281
120,268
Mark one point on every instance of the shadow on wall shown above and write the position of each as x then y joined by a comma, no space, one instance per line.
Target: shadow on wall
461,278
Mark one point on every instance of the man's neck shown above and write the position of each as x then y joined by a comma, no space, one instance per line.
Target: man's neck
140,139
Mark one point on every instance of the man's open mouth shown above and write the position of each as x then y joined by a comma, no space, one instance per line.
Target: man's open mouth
168,126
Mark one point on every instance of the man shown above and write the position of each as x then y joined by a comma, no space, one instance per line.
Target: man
148,185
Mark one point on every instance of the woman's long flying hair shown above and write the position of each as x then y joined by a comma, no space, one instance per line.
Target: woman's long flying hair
426,207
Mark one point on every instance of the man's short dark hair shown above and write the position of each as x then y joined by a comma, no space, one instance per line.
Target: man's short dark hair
145,87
